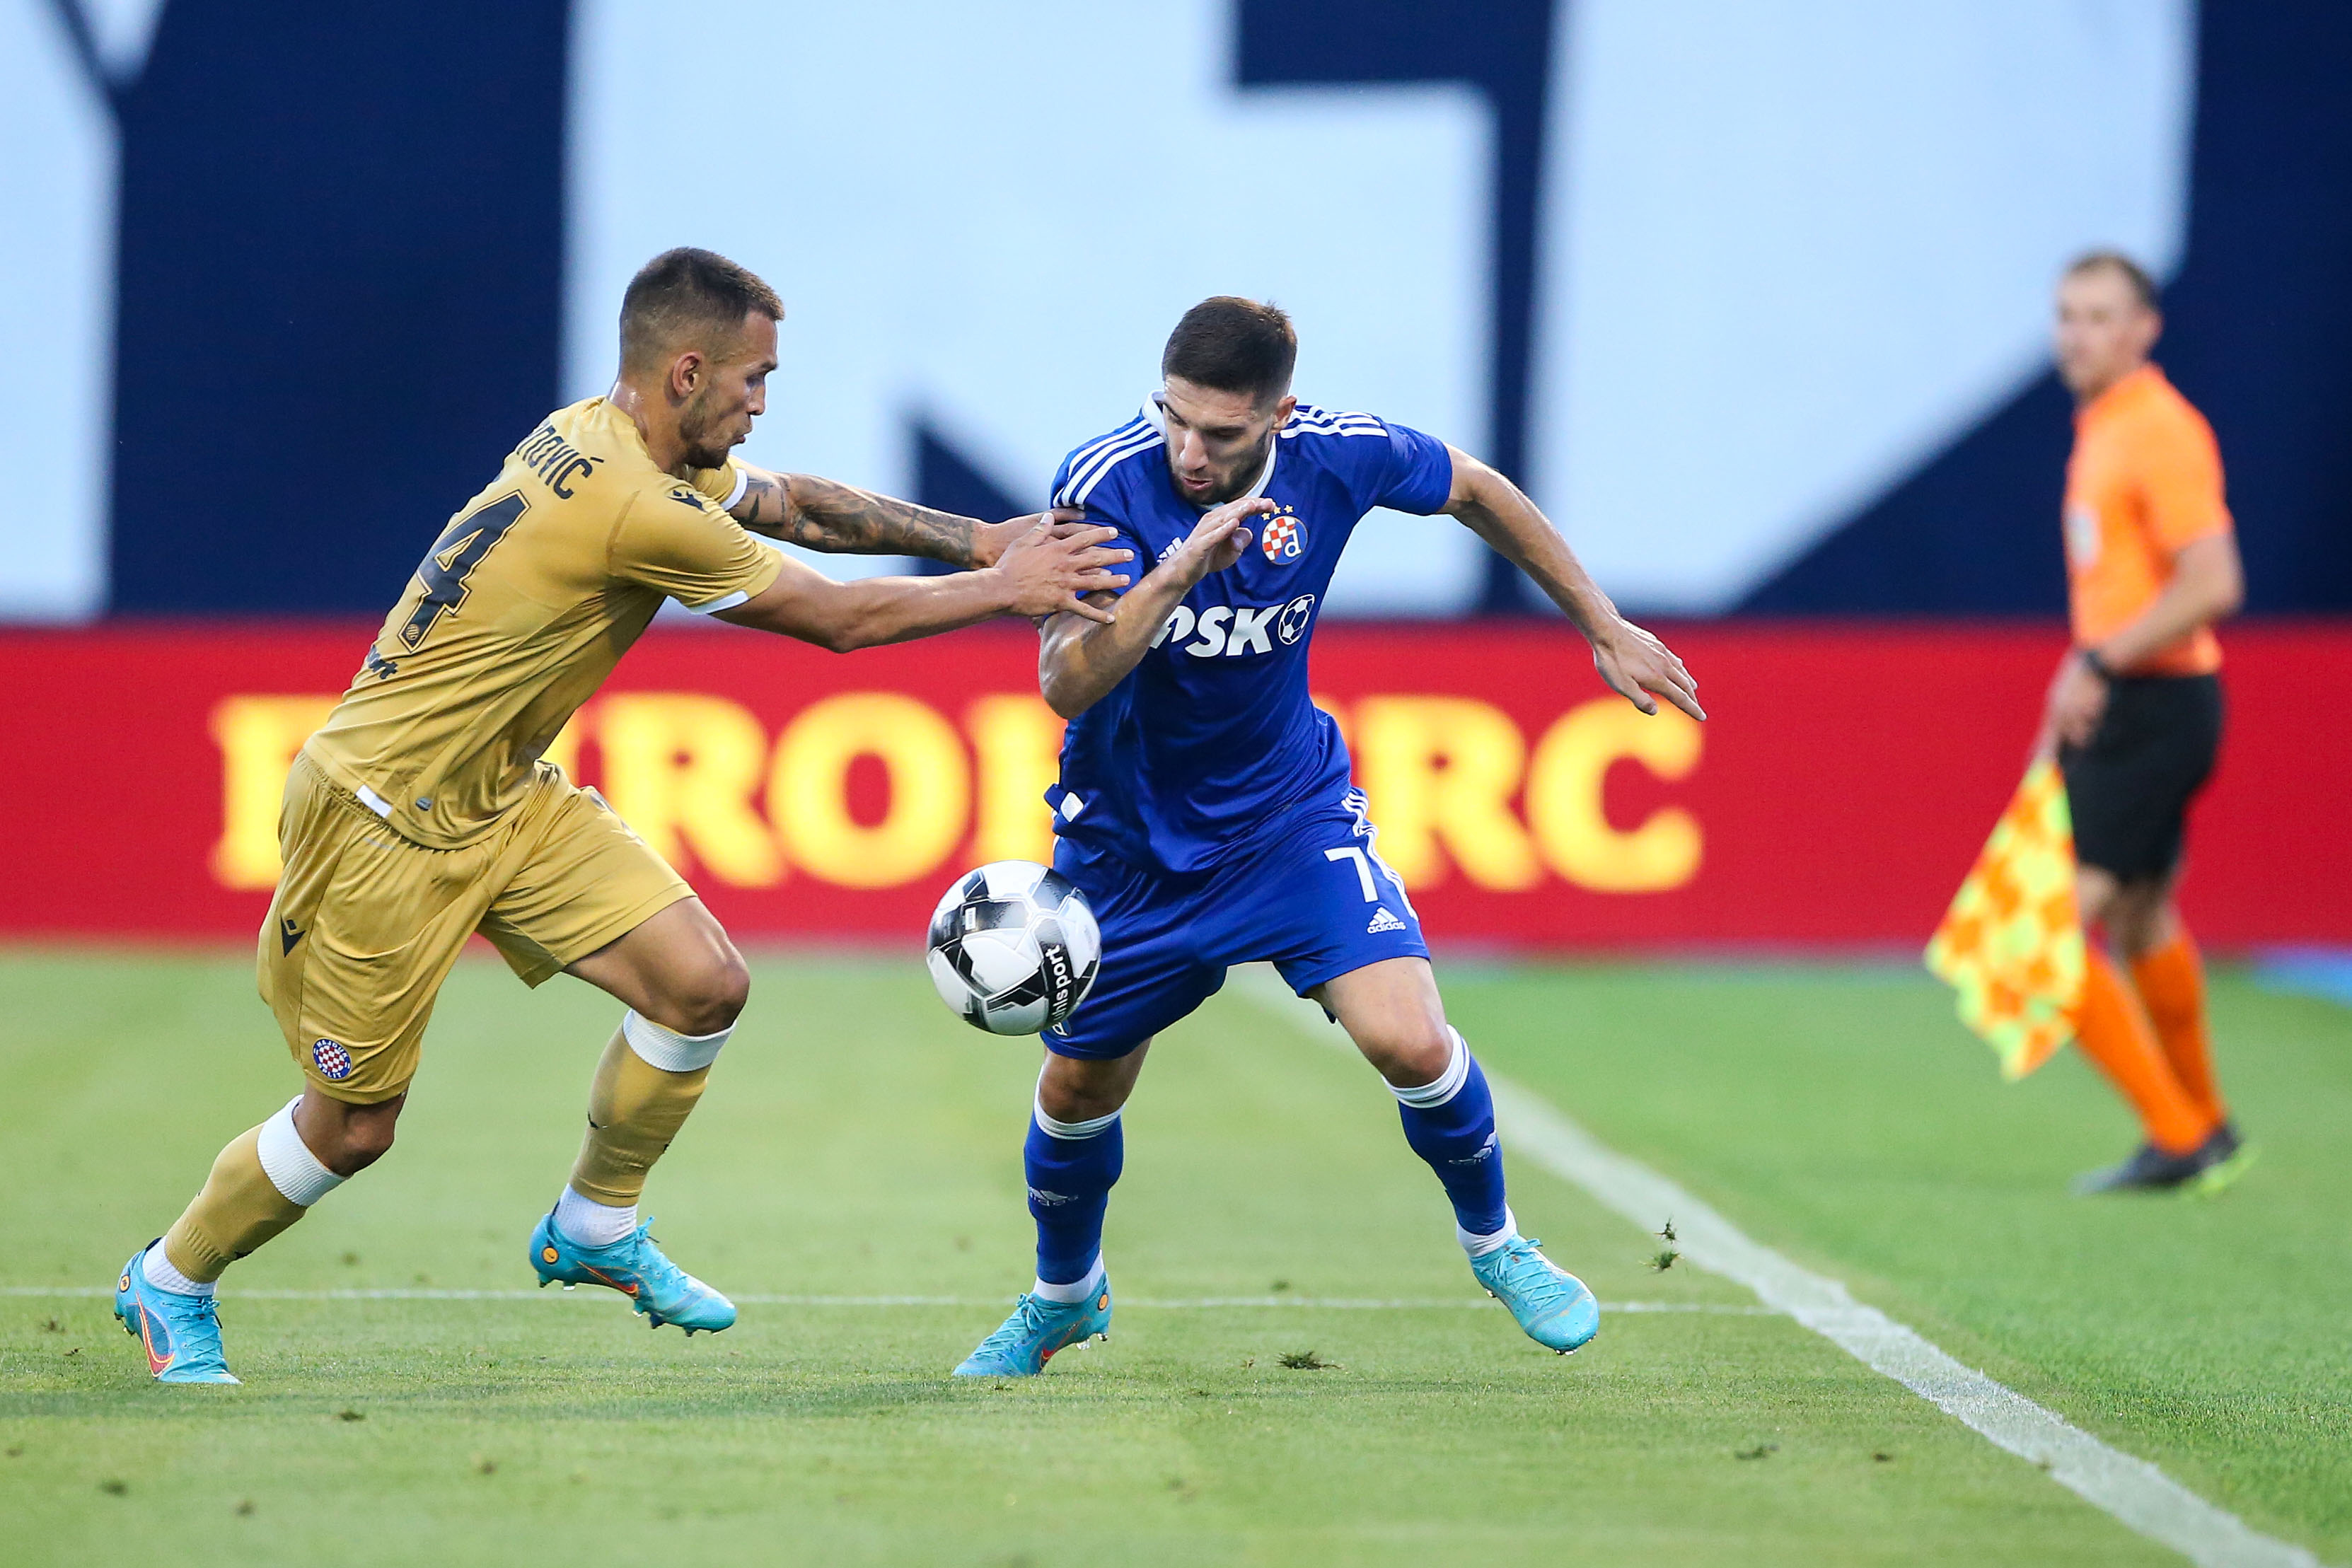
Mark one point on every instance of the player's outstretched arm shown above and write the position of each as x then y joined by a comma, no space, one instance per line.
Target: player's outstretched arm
842,519
1048,570
1633,663
1080,660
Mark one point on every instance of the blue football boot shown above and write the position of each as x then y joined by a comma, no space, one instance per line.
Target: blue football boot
1036,1331
1550,1303
633,1265
179,1334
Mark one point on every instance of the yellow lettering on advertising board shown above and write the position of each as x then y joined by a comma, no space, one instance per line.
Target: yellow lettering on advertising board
930,789
1564,797
680,768
691,772
1440,772
1018,739
257,737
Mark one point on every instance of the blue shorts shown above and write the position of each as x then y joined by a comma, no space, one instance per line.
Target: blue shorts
1311,896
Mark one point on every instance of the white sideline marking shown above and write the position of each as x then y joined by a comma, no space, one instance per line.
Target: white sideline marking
2132,1489
1146,1303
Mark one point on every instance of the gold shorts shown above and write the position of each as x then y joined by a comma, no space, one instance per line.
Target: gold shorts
366,924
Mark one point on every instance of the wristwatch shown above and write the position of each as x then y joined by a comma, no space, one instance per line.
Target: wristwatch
2096,665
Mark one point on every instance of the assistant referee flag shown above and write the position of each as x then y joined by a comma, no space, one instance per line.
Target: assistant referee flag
2012,942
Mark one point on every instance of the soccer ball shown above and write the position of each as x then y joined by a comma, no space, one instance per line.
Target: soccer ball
1014,948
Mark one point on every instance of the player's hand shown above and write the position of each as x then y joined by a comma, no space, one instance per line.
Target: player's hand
1217,540
1634,664
1054,566
2078,700
990,540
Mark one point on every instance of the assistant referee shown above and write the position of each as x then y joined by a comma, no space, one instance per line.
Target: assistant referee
2134,713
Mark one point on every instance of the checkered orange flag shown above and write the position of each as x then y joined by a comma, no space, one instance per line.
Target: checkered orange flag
2012,942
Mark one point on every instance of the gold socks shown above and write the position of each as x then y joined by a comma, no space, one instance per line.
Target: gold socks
636,1107
238,1209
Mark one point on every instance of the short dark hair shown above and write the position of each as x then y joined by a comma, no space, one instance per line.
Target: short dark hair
687,291
1230,344
2142,285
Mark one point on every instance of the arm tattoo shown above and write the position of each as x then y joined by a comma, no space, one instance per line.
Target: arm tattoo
764,505
822,514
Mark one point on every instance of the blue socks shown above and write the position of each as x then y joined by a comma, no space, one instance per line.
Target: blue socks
1070,1167
1451,1123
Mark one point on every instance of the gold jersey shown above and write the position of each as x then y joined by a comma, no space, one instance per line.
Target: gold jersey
519,610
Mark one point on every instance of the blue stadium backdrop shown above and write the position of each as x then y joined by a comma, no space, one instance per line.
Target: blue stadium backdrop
1753,298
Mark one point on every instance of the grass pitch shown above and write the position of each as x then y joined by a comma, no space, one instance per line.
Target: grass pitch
857,1143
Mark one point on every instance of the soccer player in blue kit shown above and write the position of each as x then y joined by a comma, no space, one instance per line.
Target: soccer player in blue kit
1204,805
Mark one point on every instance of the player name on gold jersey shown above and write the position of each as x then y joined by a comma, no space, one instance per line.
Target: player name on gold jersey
519,611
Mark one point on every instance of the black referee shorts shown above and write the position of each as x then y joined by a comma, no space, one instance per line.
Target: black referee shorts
2130,789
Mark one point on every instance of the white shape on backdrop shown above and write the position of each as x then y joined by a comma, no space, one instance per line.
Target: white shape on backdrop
1794,251
1787,257
989,217
123,31
58,160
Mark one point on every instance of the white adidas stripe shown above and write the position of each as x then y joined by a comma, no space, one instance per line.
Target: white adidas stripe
1306,414
1086,459
1074,492
1103,458
1091,462
1084,454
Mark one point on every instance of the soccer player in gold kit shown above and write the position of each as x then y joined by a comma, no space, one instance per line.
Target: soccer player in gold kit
421,812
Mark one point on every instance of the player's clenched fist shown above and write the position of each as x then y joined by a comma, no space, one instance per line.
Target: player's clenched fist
1053,566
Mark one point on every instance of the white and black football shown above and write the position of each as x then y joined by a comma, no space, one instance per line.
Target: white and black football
1014,948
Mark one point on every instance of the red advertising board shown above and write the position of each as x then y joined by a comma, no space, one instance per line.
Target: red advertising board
1844,783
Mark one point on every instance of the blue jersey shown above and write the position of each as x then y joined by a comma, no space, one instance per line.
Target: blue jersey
1213,735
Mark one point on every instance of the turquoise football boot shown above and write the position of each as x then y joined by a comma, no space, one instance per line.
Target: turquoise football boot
179,1334
1550,1303
1037,1330
633,1265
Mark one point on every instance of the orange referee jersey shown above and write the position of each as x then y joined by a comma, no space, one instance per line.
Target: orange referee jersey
2145,480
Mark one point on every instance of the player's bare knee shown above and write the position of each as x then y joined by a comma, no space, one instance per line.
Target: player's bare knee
361,1141
1080,1102
1413,1057
344,1137
731,992
1066,1104
718,1011
1072,1089
707,996
356,1154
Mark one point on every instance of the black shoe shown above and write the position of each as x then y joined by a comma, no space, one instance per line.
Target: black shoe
2149,1169
2226,1158
2220,1146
